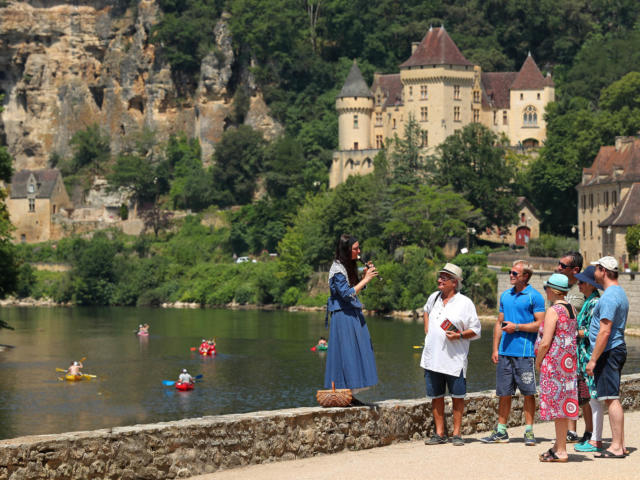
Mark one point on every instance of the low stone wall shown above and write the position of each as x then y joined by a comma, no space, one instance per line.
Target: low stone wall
202,445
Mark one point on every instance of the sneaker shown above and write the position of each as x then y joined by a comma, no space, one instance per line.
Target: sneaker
586,447
496,437
586,437
457,440
572,437
435,440
529,438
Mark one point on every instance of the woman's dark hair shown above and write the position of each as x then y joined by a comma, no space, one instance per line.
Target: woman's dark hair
343,255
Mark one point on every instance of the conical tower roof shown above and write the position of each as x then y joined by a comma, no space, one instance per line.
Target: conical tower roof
529,77
436,48
354,85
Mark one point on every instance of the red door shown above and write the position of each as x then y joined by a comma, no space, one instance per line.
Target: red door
522,236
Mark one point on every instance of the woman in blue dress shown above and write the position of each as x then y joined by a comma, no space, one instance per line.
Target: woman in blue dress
350,360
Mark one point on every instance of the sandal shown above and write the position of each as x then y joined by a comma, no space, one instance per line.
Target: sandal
608,454
550,456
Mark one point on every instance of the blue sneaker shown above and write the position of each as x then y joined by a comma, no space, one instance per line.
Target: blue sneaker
496,437
586,447
529,438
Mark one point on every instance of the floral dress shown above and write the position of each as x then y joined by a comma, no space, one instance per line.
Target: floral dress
584,346
558,380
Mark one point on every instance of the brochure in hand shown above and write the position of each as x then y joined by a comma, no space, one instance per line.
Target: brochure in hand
447,326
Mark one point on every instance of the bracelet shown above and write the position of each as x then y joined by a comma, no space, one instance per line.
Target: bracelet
461,337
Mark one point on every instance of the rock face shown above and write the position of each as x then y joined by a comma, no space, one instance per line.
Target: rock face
64,66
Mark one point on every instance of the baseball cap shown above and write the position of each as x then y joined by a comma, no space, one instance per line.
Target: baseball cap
608,263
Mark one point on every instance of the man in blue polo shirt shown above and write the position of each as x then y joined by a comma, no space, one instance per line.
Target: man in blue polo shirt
521,313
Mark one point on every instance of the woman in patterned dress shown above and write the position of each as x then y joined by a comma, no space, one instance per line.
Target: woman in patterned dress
350,360
557,362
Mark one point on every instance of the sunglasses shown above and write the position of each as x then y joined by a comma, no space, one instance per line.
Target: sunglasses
513,273
563,265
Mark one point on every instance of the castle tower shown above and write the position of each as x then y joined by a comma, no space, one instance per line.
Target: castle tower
354,105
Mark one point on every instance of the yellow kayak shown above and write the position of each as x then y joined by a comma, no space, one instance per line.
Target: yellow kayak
77,378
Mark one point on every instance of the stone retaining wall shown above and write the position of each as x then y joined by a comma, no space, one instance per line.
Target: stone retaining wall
202,445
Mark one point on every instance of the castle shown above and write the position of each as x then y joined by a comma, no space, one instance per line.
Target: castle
443,92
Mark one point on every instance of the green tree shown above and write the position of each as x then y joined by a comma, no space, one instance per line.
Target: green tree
406,156
90,147
474,163
190,187
632,240
8,263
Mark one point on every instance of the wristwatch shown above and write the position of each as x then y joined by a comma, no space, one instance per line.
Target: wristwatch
517,327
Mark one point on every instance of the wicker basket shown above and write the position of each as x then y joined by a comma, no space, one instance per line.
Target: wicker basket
333,397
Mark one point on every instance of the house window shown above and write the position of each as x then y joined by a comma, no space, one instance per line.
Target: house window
423,92
606,200
394,123
54,209
355,122
378,119
23,238
476,115
425,138
424,113
530,116
522,96
614,198
378,100
476,96
379,143
591,201
31,188
538,96
456,114
456,92
495,117
32,205
591,229
504,118
584,231
584,202
355,145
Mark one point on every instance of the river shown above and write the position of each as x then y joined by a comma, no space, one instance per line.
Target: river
264,363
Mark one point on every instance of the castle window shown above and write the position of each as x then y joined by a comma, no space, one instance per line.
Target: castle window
614,198
584,202
394,123
423,92
379,119
584,231
606,200
54,209
522,96
355,145
379,143
410,93
504,118
456,114
476,96
32,205
495,117
530,116
355,122
378,100
591,229
476,115
591,201
31,188
538,96
456,92
424,112
425,138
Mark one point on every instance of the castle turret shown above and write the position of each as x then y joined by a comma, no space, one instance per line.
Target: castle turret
354,105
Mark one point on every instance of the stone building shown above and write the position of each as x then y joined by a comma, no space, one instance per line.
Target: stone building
526,228
443,92
35,196
609,200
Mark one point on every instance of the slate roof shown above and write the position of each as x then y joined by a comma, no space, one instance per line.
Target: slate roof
45,179
611,165
436,48
391,86
354,85
530,77
496,85
627,212
524,202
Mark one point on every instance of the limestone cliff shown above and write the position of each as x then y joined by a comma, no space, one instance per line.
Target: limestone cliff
66,65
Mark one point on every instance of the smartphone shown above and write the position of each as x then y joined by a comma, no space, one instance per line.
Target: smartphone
504,324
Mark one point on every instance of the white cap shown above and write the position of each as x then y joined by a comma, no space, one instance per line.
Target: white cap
609,263
453,270
184,370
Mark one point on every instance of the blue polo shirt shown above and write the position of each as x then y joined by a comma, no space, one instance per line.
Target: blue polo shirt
519,307
615,308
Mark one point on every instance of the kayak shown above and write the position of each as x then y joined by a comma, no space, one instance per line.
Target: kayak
143,334
207,353
322,347
77,378
184,386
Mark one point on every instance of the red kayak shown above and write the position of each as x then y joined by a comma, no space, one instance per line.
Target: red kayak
184,386
208,352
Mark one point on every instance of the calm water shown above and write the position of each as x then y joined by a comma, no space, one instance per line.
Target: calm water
264,363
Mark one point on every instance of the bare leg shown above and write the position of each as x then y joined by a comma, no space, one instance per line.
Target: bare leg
504,408
561,437
616,420
437,408
530,410
458,409
572,425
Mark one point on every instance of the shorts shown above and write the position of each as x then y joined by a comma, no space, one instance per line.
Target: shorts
437,382
607,372
515,371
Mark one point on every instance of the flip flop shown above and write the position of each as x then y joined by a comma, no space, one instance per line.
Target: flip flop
550,456
608,454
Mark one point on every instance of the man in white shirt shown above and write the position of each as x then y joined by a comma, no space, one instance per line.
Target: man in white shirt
184,377
450,323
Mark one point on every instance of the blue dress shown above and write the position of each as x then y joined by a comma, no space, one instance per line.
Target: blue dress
350,360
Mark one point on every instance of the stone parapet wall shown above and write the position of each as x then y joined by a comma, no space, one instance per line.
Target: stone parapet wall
202,445
629,281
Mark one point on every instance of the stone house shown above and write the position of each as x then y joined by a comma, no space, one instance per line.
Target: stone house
609,200
35,196
443,92
526,228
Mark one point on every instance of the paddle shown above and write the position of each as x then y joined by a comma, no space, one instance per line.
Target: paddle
418,346
170,383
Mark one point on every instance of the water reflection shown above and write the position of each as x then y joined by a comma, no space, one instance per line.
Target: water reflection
264,362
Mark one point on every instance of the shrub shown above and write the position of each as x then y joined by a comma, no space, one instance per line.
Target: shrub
290,297
245,294
551,246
